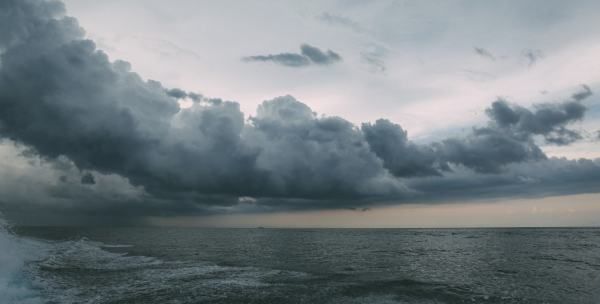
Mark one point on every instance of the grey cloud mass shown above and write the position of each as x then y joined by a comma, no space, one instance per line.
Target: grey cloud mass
508,138
180,94
551,176
319,57
548,120
510,134
308,55
401,157
88,179
583,94
68,105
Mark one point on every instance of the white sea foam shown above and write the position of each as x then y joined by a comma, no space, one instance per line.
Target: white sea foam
85,254
15,253
27,267
36,271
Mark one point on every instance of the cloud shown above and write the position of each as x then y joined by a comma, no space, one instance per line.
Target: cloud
72,110
510,135
401,157
364,209
287,59
373,56
341,21
583,94
488,150
88,179
548,120
62,97
508,138
177,93
548,177
533,56
180,94
303,153
319,57
374,61
308,55
484,53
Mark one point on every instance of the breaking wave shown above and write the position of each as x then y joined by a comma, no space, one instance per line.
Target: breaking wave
16,284
36,271
40,271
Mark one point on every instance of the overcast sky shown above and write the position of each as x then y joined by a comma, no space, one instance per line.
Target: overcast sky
312,113
413,62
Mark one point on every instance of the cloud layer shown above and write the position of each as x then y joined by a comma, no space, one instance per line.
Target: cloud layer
308,55
66,103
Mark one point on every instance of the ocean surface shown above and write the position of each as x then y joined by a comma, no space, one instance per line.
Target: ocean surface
189,265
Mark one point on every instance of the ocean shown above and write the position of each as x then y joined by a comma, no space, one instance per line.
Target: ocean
197,265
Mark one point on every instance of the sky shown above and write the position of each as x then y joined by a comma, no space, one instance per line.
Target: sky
300,114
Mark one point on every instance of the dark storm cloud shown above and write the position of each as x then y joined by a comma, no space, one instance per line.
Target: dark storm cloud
67,104
364,209
548,120
88,179
308,55
551,176
401,157
303,152
62,97
484,150
484,53
508,138
488,150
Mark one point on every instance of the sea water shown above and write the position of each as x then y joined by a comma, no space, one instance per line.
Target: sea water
192,265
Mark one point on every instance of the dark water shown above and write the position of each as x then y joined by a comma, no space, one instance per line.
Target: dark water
164,265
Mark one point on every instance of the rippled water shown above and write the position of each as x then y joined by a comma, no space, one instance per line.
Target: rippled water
158,265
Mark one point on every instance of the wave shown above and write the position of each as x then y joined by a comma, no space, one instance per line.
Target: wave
16,284
83,254
34,271
37,271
